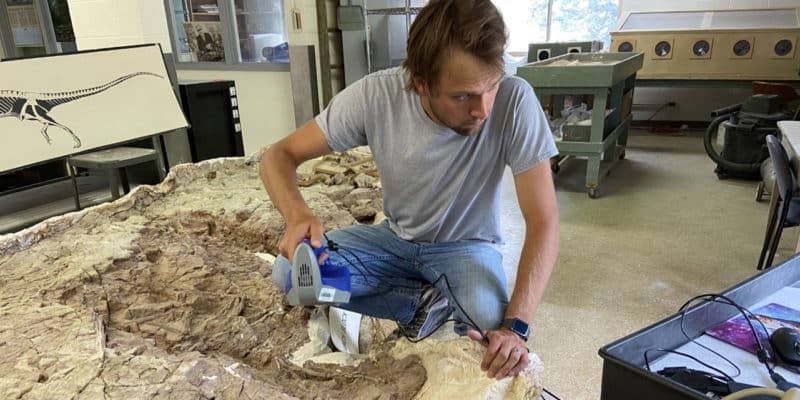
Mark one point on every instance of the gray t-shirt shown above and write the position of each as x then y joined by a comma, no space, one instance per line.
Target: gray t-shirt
438,186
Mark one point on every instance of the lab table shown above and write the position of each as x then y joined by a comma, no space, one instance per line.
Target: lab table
609,79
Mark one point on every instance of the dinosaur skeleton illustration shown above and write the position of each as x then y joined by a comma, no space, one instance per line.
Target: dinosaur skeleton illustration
33,106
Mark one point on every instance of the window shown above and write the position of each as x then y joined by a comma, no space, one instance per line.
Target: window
213,32
570,21
35,27
526,21
261,31
62,25
26,30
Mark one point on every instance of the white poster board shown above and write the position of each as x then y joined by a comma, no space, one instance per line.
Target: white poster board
54,106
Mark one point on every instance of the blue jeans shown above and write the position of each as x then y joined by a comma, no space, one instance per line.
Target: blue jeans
389,282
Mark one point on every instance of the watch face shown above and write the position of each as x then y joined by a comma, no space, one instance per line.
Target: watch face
520,327
517,326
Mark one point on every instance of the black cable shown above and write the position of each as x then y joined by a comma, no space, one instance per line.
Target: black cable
471,323
742,310
549,393
421,338
762,353
364,272
663,106
686,335
333,246
721,372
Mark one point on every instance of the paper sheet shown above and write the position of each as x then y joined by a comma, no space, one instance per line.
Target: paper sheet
344,329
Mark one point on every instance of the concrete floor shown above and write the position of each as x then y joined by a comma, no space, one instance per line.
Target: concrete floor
21,209
664,229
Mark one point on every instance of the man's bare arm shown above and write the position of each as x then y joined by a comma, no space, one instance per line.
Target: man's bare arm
505,353
278,171
537,200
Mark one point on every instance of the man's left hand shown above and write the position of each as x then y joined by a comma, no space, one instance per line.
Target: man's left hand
506,354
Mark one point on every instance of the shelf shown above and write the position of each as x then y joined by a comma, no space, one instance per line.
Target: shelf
205,14
394,11
581,70
257,12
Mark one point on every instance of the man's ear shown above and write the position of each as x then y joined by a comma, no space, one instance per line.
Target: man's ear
422,87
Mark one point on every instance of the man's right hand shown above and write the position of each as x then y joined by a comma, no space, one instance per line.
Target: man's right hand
304,226
278,171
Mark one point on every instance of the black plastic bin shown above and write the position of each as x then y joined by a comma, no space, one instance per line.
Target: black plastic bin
624,373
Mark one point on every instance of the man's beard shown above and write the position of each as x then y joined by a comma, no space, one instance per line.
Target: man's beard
459,129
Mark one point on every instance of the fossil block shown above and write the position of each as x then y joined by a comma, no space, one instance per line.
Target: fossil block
356,195
160,294
364,181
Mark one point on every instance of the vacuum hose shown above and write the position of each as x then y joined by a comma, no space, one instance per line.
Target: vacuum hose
708,143
727,110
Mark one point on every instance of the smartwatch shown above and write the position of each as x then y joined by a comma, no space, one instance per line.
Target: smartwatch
517,326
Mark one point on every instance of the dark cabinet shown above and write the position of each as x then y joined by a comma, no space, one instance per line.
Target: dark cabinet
212,110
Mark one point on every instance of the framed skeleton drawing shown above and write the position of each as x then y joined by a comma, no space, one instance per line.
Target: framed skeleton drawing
54,106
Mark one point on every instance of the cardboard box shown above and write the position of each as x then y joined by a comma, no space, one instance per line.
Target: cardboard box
582,133
627,104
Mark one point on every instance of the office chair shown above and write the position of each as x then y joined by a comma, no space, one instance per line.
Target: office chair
787,211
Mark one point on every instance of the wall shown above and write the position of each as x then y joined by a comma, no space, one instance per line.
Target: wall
335,49
691,104
306,35
265,103
109,23
265,98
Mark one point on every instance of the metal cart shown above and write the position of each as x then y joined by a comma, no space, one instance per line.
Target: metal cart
608,78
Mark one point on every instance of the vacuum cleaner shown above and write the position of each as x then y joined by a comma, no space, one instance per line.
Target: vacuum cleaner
745,126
